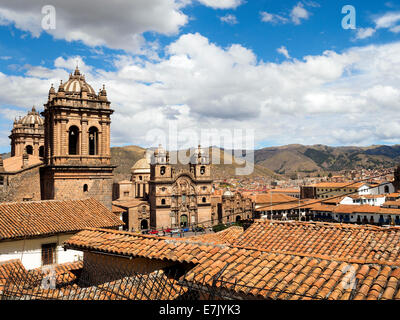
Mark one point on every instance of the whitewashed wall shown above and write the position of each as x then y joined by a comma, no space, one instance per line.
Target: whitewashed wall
30,251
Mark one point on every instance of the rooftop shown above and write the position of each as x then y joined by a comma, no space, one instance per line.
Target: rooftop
38,218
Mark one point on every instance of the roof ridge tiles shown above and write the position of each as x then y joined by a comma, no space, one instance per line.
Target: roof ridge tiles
322,257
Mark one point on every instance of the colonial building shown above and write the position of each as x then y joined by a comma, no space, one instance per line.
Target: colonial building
231,207
179,198
161,196
77,143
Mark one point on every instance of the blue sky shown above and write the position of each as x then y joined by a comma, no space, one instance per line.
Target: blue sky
286,69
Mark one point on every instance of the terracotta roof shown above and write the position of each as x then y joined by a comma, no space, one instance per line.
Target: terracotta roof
138,245
226,236
270,268
14,164
304,204
37,218
357,243
129,203
8,269
349,184
262,198
117,210
270,275
285,190
391,203
130,287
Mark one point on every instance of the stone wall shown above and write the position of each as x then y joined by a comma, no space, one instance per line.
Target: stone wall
20,186
80,184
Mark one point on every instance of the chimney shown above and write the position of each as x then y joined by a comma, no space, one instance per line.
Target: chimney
25,159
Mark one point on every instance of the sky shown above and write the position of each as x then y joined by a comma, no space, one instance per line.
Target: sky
291,71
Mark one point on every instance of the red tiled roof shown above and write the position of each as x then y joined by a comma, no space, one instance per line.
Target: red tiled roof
117,210
37,218
8,269
365,244
138,245
14,164
277,260
262,198
226,236
272,275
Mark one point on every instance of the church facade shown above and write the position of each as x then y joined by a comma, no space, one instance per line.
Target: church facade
161,196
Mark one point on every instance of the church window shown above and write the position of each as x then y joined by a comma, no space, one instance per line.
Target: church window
204,199
93,141
203,170
163,201
29,149
41,151
73,139
162,170
85,188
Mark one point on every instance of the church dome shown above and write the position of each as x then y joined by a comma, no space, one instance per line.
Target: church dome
76,83
32,118
142,164
228,193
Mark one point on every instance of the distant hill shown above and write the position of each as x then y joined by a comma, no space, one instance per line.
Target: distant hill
299,158
126,157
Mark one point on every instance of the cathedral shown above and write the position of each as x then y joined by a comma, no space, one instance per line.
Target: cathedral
162,196
64,153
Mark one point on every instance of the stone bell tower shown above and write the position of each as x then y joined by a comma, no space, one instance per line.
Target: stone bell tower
77,143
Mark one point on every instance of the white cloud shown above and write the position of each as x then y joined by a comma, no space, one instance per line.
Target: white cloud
229,19
273,18
363,33
284,51
388,20
332,98
115,25
298,13
221,4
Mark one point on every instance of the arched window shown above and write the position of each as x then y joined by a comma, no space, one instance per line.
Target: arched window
162,170
41,151
204,199
163,201
85,188
29,149
202,170
386,189
73,140
93,141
